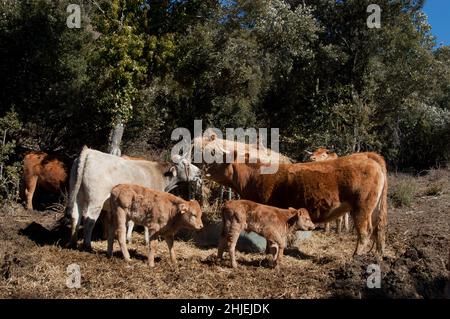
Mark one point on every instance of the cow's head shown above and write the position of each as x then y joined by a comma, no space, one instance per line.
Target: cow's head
300,220
321,154
182,171
190,215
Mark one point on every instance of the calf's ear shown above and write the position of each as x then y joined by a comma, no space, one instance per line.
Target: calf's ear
183,208
291,221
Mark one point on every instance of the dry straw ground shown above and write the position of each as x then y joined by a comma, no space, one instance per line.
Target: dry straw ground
33,263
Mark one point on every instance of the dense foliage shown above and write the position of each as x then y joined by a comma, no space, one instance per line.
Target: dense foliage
312,68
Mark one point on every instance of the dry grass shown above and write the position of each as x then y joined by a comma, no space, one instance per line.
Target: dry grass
33,263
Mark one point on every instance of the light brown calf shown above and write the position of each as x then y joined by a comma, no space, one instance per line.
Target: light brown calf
162,213
270,222
322,154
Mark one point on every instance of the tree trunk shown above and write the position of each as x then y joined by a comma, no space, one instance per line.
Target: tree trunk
115,139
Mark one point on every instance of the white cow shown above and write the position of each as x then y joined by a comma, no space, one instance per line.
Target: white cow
94,174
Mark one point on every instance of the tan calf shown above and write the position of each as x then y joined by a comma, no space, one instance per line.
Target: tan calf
162,213
270,222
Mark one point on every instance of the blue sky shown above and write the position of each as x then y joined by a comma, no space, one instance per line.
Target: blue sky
438,12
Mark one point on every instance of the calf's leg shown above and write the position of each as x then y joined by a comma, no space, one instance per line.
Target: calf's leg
226,227
121,232
152,247
169,241
232,239
146,235
111,232
130,231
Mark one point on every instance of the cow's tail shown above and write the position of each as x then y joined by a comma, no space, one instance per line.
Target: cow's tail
78,179
379,234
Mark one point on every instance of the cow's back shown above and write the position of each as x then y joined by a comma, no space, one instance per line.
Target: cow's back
318,185
104,171
51,171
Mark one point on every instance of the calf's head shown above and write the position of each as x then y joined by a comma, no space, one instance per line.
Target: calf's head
322,154
300,220
190,215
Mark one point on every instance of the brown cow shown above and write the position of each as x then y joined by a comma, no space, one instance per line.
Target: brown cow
327,189
323,154
162,213
270,222
47,171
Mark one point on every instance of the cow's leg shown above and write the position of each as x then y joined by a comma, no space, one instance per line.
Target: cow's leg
92,215
339,222
130,231
363,230
146,235
169,240
327,227
75,219
112,228
30,187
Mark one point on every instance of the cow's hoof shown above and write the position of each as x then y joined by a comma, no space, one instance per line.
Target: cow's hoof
70,245
87,249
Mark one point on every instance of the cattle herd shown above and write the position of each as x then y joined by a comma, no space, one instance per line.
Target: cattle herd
298,196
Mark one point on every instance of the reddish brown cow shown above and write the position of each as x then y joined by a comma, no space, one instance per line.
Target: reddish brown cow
47,171
270,222
327,189
162,213
323,154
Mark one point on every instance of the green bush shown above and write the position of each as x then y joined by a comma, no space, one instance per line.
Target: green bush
402,193
10,169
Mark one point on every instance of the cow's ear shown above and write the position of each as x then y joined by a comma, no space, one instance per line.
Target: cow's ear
183,208
172,172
